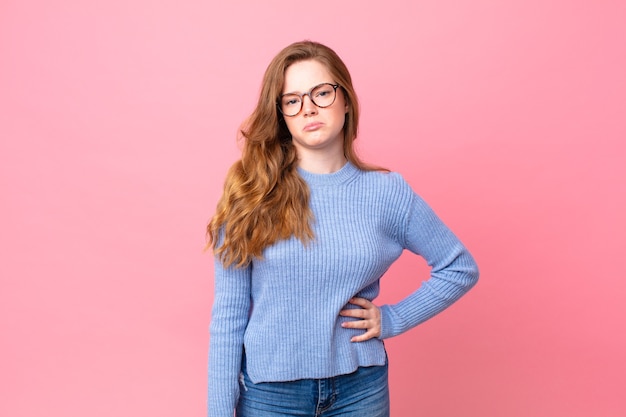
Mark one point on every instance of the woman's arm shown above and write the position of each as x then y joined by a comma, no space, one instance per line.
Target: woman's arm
453,271
229,317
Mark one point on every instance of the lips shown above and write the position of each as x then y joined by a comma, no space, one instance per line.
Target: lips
313,126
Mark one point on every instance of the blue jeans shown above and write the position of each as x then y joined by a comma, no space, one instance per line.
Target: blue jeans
364,393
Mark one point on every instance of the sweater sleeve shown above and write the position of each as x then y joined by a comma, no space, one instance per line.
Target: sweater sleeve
229,317
453,270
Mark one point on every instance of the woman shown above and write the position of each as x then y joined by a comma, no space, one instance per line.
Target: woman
302,235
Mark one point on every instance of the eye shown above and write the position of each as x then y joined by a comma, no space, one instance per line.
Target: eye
323,91
291,100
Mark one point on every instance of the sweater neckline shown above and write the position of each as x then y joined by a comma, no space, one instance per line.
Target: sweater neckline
344,174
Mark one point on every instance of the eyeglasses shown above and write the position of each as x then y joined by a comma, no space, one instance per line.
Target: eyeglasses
322,95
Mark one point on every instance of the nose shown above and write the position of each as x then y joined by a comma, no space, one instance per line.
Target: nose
308,107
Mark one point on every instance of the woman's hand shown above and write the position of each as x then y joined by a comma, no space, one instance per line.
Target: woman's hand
369,316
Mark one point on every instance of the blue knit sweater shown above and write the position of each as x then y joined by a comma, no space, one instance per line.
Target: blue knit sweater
284,308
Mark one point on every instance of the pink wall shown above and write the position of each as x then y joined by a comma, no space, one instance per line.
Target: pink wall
117,123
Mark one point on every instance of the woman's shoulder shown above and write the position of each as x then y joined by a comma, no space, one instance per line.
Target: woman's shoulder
390,180
389,186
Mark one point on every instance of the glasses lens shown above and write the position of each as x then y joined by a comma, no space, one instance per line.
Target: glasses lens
323,95
290,104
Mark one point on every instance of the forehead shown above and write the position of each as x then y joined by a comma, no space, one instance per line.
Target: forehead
302,75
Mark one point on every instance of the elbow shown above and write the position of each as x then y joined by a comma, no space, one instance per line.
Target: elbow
468,269
472,273
461,273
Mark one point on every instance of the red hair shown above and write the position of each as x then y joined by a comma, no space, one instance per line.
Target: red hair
264,199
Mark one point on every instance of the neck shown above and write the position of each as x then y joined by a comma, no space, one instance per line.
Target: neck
322,164
324,160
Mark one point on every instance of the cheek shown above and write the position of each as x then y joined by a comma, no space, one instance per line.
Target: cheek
290,125
342,114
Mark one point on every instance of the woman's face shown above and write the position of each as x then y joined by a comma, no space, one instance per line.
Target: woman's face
314,129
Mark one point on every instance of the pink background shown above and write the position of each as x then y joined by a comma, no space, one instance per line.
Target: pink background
117,124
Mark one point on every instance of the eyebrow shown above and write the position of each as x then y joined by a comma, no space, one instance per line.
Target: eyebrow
300,93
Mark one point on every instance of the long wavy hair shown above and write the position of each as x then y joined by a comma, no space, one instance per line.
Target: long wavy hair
264,199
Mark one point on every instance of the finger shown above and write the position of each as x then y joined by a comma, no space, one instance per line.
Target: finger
358,324
355,312
362,302
370,334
